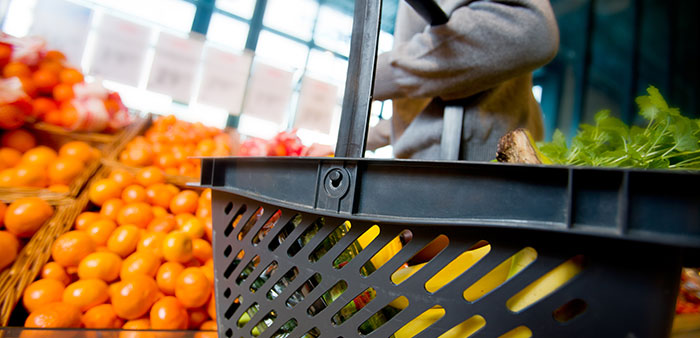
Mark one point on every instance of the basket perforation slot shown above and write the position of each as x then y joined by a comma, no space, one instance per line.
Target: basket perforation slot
270,224
356,247
303,290
466,328
235,304
427,256
228,250
229,333
378,247
312,236
330,240
263,277
570,310
291,222
458,262
264,323
286,329
227,293
228,208
233,221
518,332
327,298
282,283
288,239
250,222
376,319
248,270
247,316
235,262
313,333
427,319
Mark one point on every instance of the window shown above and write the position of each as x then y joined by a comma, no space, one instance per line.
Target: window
242,8
295,18
333,30
227,31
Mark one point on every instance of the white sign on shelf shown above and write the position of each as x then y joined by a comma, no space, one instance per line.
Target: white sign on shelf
269,93
64,26
316,104
175,66
224,79
120,52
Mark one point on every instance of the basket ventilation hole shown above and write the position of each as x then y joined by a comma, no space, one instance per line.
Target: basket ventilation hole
313,333
419,260
500,274
251,221
227,251
355,305
229,333
329,242
457,266
282,283
285,232
263,324
248,270
286,329
234,221
227,292
306,236
327,298
228,208
305,289
518,332
386,253
233,307
466,328
356,247
547,284
264,276
570,310
247,315
382,316
267,227
420,323
234,264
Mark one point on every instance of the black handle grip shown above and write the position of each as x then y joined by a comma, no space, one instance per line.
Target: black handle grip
429,11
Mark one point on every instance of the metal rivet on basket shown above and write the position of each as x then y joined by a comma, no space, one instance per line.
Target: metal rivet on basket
337,182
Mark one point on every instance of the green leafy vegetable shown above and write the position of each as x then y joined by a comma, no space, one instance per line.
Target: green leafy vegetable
669,140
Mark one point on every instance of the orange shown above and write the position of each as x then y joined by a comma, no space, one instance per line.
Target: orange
138,155
211,306
162,224
151,242
85,218
139,214
3,208
26,215
10,157
40,156
78,150
137,324
53,270
149,176
70,76
45,80
166,160
28,85
70,117
172,171
64,170
16,68
169,314
203,211
42,292
123,177
166,277
205,197
54,55
209,325
42,105
11,116
70,248
58,188
184,202
100,231
160,195
9,247
28,175
111,207
133,297
54,117
63,92
193,227
140,262
134,193
101,317
208,269
192,288
104,189
201,250
101,265
197,317
177,247
188,169
123,240
181,219
7,178
86,293
18,139
208,228
159,212
54,315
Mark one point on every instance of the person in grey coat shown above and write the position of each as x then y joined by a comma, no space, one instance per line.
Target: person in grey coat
482,59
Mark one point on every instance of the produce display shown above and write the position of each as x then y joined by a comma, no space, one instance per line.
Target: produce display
38,85
141,258
19,221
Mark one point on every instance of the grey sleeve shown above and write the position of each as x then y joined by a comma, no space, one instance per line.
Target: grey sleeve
483,44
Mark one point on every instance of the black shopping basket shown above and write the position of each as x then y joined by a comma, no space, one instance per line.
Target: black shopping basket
354,247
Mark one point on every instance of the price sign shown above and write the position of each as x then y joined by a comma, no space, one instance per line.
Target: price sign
269,93
224,79
316,104
64,26
120,52
175,66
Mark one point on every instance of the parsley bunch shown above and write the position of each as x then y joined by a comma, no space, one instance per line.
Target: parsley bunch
669,140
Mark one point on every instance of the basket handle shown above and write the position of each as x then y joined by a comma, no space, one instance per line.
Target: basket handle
359,84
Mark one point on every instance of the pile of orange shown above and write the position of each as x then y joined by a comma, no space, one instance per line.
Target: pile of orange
141,260
169,142
20,220
23,163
